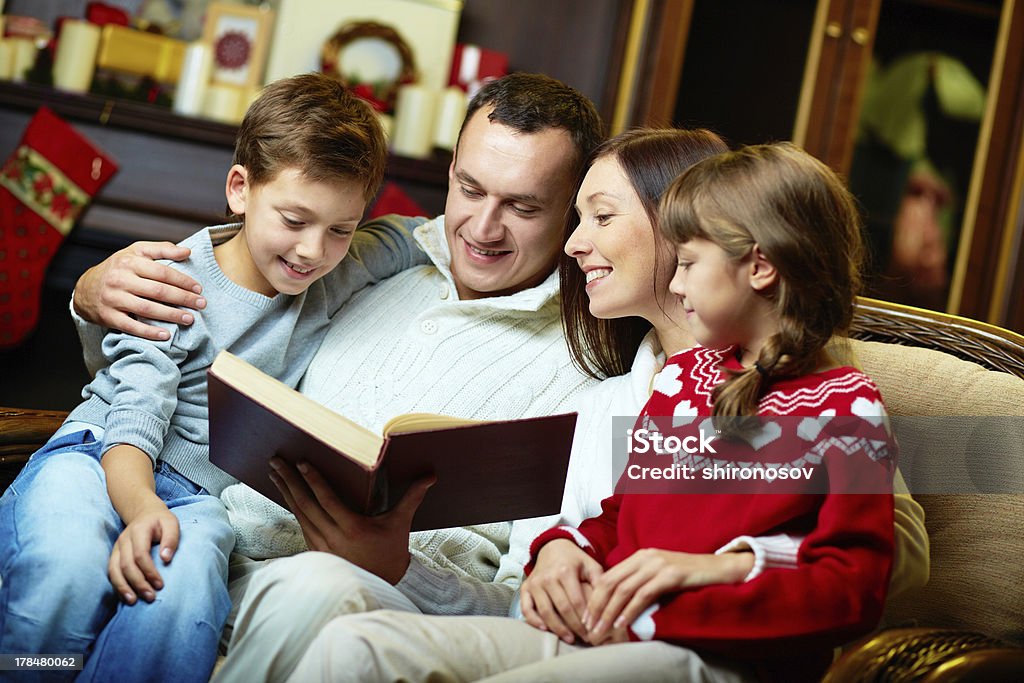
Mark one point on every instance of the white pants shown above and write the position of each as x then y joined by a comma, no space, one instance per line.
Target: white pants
387,646
275,617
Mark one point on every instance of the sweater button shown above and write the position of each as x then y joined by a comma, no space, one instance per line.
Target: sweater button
428,327
444,290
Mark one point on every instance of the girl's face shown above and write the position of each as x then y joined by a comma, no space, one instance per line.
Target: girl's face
615,246
720,302
296,230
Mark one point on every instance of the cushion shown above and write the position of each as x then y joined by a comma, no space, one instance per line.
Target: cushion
977,540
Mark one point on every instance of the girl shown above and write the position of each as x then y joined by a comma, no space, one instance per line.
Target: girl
769,252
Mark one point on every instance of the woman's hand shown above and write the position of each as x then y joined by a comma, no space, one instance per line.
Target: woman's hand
633,585
129,284
131,569
555,594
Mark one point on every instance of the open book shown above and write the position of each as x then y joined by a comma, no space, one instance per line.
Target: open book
486,471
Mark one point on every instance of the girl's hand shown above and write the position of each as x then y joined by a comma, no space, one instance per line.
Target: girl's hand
131,569
555,594
633,585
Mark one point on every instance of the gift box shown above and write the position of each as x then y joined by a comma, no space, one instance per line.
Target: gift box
141,53
472,66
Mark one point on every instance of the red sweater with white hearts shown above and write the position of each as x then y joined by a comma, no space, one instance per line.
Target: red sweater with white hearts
784,617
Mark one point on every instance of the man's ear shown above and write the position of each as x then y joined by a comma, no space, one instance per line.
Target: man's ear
451,171
236,189
763,274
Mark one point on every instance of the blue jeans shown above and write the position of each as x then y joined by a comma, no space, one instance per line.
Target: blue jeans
57,530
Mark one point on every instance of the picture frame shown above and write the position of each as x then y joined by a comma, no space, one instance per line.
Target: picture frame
428,27
239,36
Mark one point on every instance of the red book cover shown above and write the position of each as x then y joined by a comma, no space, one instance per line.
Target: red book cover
486,471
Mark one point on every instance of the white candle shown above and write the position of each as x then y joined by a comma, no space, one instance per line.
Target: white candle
451,110
6,60
195,77
222,102
414,121
24,57
75,61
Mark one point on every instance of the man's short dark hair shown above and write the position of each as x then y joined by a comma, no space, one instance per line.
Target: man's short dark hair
530,103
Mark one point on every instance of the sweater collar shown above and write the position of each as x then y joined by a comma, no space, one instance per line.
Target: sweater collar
648,362
431,238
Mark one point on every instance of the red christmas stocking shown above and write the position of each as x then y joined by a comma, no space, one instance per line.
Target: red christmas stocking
44,187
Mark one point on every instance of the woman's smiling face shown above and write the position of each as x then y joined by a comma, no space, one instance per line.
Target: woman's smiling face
615,246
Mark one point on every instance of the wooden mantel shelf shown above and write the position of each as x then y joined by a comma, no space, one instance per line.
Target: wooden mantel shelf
148,118
171,172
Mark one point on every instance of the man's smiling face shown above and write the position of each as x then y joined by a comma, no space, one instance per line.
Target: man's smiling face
508,193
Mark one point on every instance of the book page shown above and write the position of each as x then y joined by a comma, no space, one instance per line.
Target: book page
349,438
417,422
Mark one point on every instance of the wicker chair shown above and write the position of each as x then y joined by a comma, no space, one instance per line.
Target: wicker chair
945,644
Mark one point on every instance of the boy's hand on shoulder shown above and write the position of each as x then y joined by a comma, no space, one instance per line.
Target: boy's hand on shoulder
131,569
129,284
554,596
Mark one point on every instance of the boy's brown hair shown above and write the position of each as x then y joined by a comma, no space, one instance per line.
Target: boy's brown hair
313,123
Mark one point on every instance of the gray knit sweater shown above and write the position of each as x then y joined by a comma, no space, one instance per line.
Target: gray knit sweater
152,395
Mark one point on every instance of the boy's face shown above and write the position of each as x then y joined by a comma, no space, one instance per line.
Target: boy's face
296,230
508,193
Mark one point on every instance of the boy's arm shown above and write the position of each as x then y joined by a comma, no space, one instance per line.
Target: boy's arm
132,491
130,285
144,395
130,482
380,248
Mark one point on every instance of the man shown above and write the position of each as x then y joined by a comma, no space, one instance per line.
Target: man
476,334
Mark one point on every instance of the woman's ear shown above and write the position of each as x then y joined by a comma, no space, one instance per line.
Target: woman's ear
236,189
763,274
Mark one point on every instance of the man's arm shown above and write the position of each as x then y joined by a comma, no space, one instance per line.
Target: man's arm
131,283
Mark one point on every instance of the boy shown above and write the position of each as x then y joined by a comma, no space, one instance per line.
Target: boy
127,478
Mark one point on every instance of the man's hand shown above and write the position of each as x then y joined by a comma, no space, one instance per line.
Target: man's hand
378,544
554,596
131,284
633,585
131,569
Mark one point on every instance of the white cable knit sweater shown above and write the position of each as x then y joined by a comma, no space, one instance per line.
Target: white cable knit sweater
408,344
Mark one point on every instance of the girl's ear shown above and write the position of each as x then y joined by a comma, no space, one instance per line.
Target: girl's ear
763,274
236,189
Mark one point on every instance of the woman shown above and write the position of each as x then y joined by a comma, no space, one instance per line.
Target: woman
619,318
